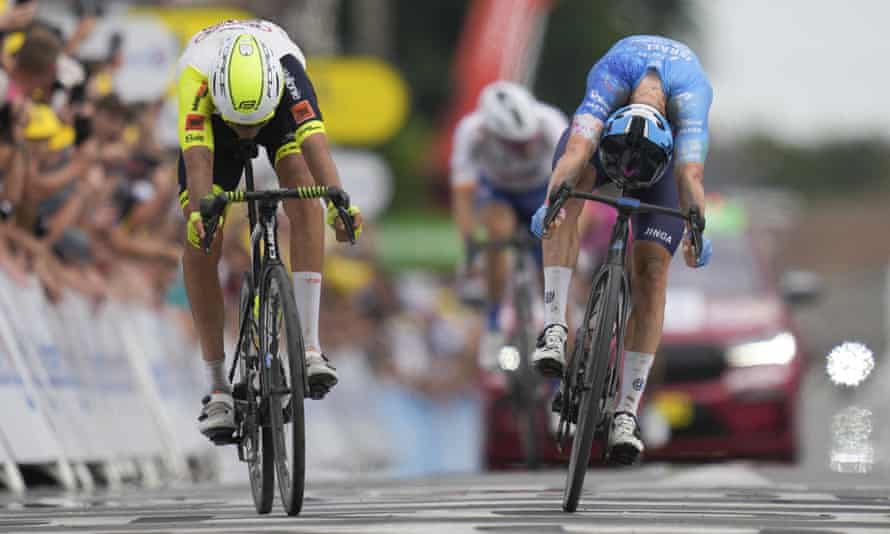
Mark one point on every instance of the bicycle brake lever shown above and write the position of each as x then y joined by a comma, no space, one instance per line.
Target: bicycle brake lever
697,227
211,210
348,223
557,201
209,234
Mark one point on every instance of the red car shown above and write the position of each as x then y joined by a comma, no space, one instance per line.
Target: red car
727,376
728,373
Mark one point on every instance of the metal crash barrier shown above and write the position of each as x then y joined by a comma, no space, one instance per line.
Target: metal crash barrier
93,393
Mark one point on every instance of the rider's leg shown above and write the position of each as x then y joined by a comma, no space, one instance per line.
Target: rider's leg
500,223
649,274
201,278
306,246
307,259
560,256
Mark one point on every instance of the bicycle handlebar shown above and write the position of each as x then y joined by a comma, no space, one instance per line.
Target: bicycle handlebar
213,207
631,205
520,240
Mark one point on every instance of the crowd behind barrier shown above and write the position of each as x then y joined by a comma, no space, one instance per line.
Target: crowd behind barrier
100,376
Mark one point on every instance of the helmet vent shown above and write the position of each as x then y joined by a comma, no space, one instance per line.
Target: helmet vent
636,130
517,117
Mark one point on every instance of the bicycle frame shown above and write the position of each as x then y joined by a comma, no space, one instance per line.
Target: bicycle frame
261,215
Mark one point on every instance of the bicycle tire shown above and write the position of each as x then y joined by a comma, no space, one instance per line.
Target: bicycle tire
605,309
286,376
527,380
261,471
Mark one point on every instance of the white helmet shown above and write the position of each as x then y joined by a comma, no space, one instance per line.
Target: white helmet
509,111
246,80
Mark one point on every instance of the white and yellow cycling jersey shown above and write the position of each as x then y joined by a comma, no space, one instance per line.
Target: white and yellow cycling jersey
195,105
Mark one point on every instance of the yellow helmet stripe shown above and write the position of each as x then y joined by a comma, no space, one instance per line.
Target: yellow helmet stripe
246,64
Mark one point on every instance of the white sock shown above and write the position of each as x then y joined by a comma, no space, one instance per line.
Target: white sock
633,380
307,292
216,374
556,294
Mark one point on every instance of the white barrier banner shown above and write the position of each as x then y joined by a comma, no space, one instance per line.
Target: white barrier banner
23,422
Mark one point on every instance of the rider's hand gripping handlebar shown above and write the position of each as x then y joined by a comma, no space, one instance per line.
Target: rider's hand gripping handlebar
212,208
557,200
696,228
339,200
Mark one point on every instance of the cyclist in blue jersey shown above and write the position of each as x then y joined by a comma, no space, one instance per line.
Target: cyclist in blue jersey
662,82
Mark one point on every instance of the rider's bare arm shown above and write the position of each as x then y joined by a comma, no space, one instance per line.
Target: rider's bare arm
317,152
318,157
198,162
690,183
586,130
690,178
462,196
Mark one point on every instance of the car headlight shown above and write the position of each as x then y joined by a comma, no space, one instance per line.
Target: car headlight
777,350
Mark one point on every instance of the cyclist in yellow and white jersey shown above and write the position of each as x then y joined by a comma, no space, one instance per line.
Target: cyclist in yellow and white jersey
247,80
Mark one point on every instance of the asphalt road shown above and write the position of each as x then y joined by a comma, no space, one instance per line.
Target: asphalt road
841,485
720,498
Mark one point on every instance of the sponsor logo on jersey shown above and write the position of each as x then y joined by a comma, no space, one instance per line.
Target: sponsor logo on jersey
549,296
194,138
657,233
247,105
202,92
194,122
291,85
670,50
302,111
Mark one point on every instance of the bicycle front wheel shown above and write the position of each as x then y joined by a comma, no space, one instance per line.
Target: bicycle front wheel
281,343
256,444
600,322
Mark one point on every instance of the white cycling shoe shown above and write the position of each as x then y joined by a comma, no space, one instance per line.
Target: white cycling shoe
550,355
625,444
217,419
321,375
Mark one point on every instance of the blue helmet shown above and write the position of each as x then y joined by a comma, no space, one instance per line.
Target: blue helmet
636,146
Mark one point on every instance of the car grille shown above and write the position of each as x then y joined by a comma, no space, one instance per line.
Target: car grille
690,363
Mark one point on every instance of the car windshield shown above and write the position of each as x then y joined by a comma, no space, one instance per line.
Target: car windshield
732,271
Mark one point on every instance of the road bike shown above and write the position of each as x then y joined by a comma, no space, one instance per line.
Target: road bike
587,393
522,380
268,370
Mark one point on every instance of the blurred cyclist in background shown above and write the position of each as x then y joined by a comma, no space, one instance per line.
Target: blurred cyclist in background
499,172
247,80
654,78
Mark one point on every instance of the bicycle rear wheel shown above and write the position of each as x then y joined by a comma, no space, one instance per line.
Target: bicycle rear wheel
284,362
600,320
256,444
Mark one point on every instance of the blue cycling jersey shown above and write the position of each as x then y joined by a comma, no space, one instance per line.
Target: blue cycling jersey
614,77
